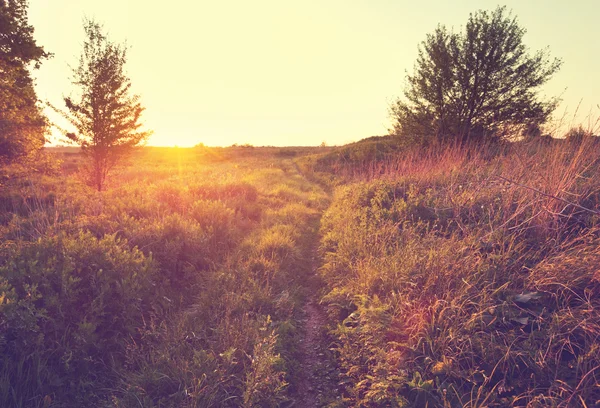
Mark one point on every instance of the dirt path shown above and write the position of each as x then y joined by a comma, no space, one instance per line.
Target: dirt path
316,378
312,357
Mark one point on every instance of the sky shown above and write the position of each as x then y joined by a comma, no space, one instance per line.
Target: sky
294,72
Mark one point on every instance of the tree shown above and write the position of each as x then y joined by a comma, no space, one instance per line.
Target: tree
579,134
478,84
106,116
23,126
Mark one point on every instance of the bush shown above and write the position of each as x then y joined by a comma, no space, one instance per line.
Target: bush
181,249
69,304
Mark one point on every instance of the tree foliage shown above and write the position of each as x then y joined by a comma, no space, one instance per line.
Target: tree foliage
478,84
105,114
22,123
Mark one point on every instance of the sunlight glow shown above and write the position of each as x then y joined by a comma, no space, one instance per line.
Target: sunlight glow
289,73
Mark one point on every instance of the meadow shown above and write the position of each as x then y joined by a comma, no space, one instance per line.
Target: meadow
374,274
465,276
179,286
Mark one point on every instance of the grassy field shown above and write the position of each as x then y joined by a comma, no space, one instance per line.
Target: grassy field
179,286
375,274
466,277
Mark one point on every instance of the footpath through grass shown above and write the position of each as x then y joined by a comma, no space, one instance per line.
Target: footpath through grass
451,277
183,285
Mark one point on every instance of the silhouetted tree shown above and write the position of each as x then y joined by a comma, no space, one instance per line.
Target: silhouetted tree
579,134
22,123
106,116
478,84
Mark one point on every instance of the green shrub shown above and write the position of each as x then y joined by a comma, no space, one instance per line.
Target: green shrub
218,220
180,247
69,305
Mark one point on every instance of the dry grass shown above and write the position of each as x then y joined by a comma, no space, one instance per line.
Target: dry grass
467,276
178,286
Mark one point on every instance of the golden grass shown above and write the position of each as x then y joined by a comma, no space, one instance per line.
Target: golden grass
467,275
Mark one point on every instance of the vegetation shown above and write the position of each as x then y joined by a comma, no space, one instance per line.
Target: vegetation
476,85
104,113
22,123
381,273
458,277
449,276
171,289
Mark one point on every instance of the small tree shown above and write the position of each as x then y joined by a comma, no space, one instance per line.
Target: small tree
478,84
22,124
579,134
104,113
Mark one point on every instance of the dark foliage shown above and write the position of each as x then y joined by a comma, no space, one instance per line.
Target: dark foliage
106,116
22,123
479,84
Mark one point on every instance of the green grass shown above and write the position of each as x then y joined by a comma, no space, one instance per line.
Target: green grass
179,286
463,278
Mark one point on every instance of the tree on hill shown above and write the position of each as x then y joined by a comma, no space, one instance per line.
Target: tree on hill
106,116
479,84
23,126
579,134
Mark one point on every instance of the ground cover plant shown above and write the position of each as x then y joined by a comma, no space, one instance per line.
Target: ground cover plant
445,276
179,286
467,277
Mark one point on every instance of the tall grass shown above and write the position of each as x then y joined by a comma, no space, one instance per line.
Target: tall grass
178,286
467,276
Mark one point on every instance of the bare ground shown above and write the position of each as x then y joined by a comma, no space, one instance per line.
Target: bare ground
311,357
316,380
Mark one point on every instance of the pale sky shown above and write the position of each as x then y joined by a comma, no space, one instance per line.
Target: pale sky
283,72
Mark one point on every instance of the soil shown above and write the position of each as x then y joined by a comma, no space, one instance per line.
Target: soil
312,357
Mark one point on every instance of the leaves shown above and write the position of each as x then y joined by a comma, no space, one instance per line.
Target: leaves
106,116
478,84
22,123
